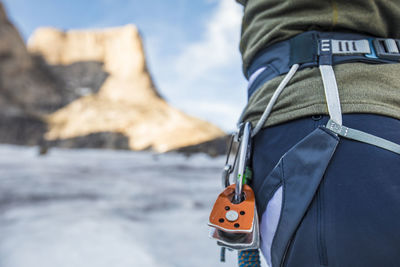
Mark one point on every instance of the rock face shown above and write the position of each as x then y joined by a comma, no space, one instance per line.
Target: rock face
28,89
86,89
213,148
119,97
25,84
96,140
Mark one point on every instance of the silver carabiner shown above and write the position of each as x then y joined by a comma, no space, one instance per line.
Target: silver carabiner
244,157
229,168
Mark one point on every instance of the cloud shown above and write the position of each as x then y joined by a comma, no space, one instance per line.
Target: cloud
219,43
223,113
201,73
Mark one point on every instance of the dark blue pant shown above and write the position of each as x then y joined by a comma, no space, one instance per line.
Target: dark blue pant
354,219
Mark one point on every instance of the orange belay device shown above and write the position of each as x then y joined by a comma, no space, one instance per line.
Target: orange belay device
233,219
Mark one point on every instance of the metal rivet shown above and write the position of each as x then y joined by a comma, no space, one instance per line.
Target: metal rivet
316,117
231,215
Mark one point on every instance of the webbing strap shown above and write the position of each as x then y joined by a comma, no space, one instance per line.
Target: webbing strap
329,80
350,47
304,49
331,93
364,137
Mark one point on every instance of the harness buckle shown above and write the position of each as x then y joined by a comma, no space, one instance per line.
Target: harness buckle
387,48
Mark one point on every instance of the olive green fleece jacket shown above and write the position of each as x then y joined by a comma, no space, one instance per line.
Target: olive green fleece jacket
363,88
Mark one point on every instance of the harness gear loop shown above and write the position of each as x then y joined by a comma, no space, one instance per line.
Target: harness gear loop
271,103
275,96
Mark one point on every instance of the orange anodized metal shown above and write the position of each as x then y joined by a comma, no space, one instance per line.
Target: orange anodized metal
230,217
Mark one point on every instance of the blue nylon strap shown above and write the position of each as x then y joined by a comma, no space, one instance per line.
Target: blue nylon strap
303,49
325,52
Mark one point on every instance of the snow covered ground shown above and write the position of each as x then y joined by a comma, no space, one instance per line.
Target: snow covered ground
95,208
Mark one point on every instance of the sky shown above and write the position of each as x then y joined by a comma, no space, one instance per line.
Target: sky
192,47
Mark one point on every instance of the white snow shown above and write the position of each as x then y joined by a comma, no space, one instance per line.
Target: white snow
95,208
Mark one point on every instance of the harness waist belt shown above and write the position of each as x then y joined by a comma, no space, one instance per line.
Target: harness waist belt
307,50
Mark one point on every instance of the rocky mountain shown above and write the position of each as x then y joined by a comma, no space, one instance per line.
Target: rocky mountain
26,85
88,88
27,89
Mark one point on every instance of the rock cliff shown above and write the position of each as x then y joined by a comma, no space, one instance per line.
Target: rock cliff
25,83
125,100
27,89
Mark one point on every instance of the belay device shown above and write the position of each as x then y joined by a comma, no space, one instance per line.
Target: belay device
233,219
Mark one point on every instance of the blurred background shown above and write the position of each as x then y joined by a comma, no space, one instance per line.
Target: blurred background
114,118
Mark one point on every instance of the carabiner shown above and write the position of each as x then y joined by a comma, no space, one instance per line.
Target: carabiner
229,168
244,157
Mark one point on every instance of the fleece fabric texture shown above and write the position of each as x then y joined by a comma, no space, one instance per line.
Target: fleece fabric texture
363,88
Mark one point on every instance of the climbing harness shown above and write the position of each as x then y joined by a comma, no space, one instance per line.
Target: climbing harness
286,193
